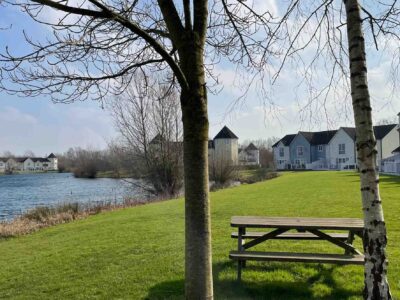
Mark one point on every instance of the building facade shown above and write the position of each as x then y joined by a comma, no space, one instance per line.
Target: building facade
334,149
224,148
28,164
249,156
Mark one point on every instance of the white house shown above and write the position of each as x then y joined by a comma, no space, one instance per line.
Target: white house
29,164
341,151
333,149
249,155
387,139
282,152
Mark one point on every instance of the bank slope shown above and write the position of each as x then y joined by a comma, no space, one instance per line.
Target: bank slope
137,253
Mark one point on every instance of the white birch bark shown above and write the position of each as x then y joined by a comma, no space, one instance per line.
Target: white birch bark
375,240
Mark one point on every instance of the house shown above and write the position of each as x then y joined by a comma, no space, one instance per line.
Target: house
29,164
224,148
333,149
309,150
249,156
300,150
342,149
387,139
281,152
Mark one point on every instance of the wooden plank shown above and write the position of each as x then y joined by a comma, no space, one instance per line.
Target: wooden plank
266,236
290,236
347,247
298,223
297,257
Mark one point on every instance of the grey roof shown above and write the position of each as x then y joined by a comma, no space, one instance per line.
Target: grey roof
381,131
397,150
319,137
307,135
20,159
51,156
251,147
39,159
286,140
322,137
225,133
158,139
351,131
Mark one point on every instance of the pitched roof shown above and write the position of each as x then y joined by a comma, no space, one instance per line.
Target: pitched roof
158,139
322,137
20,159
397,150
225,133
351,131
51,156
251,147
286,140
39,159
381,131
307,135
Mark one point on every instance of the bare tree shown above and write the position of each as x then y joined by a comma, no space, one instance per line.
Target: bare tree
319,26
98,45
8,154
148,118
29,153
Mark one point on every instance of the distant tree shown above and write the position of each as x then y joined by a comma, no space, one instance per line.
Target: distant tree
8,154
147,116
387,121
29,153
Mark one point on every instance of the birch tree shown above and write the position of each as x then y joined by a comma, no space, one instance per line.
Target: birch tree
319,26
374,238
96,47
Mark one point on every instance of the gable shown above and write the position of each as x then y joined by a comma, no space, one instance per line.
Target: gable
381,131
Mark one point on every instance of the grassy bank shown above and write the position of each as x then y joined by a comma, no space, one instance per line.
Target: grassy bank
137,253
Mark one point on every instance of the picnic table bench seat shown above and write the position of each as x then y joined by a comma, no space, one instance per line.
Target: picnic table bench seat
290,235
297,257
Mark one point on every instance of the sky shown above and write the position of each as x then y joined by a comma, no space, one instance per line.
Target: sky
43,127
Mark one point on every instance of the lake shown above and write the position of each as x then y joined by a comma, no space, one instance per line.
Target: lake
21,192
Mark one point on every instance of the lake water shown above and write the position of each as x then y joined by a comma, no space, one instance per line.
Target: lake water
19,193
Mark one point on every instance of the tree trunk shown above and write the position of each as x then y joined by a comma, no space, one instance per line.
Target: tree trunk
198,261
375,240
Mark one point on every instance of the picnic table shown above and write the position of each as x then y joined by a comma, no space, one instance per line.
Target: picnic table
284,228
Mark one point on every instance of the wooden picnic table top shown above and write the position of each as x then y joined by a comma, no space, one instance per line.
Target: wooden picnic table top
298,223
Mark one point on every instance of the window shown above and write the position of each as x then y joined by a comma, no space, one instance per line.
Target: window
320,148
342,148
300,151
281,152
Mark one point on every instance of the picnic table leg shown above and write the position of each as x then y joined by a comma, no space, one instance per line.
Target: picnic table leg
350,239
242,231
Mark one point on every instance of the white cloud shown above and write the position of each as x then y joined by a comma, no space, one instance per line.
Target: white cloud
57,128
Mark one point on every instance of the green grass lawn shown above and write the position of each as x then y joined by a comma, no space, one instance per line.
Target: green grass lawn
137,253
